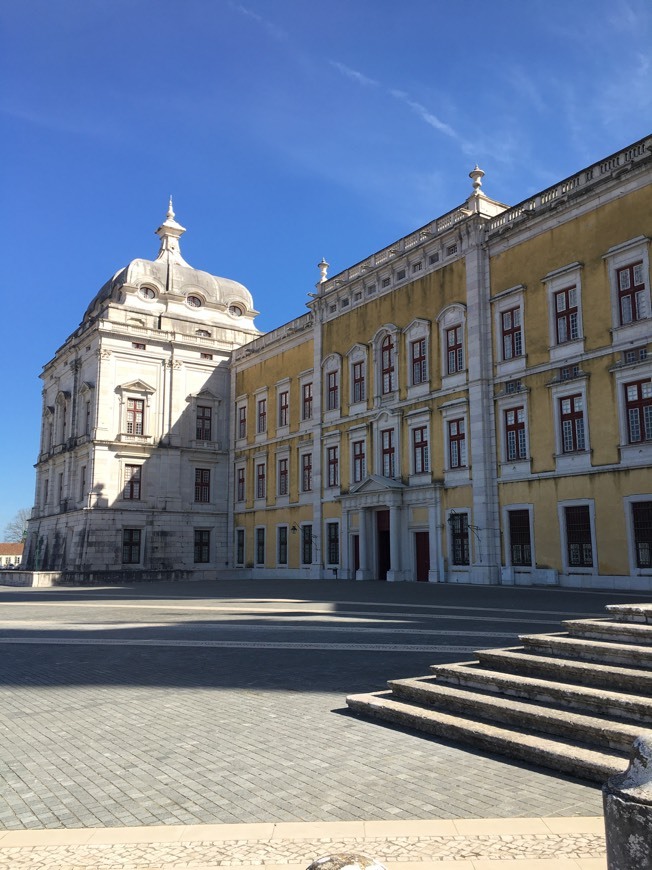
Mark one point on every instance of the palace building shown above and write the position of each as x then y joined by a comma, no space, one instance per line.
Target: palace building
473,403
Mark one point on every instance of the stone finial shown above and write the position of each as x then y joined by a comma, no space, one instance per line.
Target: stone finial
323,270
170,214
169,233
476,176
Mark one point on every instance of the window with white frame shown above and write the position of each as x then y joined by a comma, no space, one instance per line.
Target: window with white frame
131,546
420,450
515,437
359,459
331,381
261,415
240,482
306,544
132,482
639,510
388,452
306,400
332,391
454,350
306,472
417,345
519,537
572,423
357,362
239,547
565,325
572,441
457,453
508,316
281,545
241,422
282,476
261,479
333,543
459,538
452,328
260,546
333,465
629,277
387,366
638,409
578,536
283,406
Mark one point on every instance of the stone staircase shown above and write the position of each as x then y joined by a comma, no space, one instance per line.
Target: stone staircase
573,701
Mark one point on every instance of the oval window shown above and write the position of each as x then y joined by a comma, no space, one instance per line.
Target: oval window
235,311
147,293
193,301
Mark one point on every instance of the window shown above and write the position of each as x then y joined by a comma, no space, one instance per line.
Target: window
388,453
420,449
46,490
282,545
82,481
433,258
203,333
333,462
240,484
459,524
333,543
204,423
400,275
333,396
567,373
194,301
642,527
306,401
512,386
203,355
457,443
260,546
387,365
566,319
578,536
261,480
359,391
282,477
202,545
306,545
515,440
451,249
571,418
283,408
87,419
306,472
638,406
512,337
416,267
239,546
631,293
419,362
138,345
60,487
242,421
131,546
520,548
455,350
135,416
132,482
261,416
147,293
202,485
386,282
359,461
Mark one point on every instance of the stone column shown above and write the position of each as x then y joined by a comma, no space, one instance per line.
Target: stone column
364,571
395,550
628,811
434,533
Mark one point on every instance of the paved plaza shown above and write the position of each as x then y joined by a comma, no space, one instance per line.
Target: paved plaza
183,705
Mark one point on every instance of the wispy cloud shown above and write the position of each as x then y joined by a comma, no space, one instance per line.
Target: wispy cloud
353,74
265,23
424,114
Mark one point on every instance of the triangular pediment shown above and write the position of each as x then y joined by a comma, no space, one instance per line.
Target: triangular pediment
136,386
376,483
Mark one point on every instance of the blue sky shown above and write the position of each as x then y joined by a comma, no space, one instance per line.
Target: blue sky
286,131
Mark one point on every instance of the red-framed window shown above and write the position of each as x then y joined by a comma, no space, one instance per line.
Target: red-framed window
204,423
359,461
306,472
282,477
457,443
388,453
419,362
578,536
333,464
261,416
631,293
420,450
242,421
515,441
202,485
512,336
283,408
240,484
571,420
202,545
132,482
359,386
459,524
642,526
131,539
261,480
454,350
135,416
333,391
306,401
566,316
387,370
638,406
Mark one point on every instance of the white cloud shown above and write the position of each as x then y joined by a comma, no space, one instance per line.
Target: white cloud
424,114
353,74
267,25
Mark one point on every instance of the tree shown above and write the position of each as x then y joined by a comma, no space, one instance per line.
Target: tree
16,529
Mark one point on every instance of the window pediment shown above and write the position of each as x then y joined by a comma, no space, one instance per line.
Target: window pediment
136,386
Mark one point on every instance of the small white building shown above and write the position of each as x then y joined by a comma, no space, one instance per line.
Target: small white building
132,469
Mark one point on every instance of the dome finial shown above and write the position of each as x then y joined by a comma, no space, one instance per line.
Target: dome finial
170,214
169,233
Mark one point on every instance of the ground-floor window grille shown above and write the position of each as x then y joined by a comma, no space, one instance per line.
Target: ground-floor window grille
306,545
260,546
642,521
520,548
578,537
239,546
333,543
282,545
202,545
131,546
460,538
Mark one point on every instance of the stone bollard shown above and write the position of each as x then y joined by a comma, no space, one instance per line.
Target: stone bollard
628,811
346,861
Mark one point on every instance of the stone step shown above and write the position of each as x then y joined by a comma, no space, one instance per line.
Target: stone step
518,661
619,705
558,754
589,650
630,612
603,629
593,730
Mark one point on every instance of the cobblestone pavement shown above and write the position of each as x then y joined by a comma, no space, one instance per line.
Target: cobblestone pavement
215,703
571,843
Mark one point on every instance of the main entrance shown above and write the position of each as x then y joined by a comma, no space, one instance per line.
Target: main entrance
422,555
383,546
